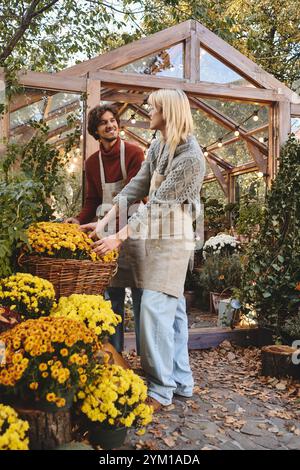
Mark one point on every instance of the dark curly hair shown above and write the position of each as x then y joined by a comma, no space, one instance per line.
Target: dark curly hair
95,115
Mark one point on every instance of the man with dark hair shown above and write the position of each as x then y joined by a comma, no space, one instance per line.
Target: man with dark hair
107,172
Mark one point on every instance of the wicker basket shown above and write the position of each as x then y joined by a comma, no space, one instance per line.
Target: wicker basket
70,276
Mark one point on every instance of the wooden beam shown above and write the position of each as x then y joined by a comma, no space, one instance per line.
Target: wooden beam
223,163
138,124
218,174
284,109
52,81
142,82
295,109
122,97
194,55
131,52
241,64
258,157
207,338
137,138
229,123
93,88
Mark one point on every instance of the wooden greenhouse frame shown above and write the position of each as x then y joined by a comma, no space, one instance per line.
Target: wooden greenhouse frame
99,80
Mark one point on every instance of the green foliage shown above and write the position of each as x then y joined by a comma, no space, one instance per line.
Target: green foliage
250,215
43,35
221,273
292,327
214,215
273,267
22,203
32,173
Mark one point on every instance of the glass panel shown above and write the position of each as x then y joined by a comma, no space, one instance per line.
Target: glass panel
252,184
212,190
236,153
145,134
130,112
241,112
165,63
214,71
206,130
63,114
295,126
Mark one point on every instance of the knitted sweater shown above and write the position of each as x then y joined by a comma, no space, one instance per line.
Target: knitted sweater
182,183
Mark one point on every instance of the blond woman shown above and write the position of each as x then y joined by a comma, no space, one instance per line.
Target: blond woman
171,177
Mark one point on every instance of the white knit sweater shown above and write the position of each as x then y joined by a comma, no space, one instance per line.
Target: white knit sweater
182,182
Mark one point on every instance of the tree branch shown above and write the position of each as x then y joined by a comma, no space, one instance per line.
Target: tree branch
26,20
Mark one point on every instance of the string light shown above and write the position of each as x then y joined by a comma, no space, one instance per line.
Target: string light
132,119
220,143
122,133
205,152
255,116
237,132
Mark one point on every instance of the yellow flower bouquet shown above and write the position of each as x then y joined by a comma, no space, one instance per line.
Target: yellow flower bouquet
46,361
13,430
95,312
114,400
62,240
30,296
64,255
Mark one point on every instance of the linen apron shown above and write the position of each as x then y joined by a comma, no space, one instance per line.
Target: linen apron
167,259
132,252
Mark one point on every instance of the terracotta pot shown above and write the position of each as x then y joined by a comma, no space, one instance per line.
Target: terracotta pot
190,297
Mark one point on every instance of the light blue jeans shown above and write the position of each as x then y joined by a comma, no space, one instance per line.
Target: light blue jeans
164,346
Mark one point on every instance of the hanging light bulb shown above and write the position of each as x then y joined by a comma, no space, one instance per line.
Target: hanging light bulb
260,174
237,132
255,116
205,152
75,160
132,119
122,133
220,143
262,140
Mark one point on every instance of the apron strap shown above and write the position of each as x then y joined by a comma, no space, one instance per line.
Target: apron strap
122,160
102,174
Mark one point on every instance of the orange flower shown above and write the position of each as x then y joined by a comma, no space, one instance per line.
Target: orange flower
297,286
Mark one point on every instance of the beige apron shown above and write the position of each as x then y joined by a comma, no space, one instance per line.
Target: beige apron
132,252
167,259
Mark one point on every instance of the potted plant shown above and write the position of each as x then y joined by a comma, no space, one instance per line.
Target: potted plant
26,296
190,287
219,276
13,430
114,402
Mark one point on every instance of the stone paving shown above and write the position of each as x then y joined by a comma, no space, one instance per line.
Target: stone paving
233,407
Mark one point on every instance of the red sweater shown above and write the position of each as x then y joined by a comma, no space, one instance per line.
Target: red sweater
134,157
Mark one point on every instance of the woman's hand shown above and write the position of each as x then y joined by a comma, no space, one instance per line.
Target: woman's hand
107,244
91,227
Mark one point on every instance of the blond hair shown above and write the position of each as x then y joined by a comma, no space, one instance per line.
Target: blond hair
177,115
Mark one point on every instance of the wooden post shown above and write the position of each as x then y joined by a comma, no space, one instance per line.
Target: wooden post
93,90
4,118
280,126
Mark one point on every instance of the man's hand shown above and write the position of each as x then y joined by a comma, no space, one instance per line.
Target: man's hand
72,220
105,245
91,227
